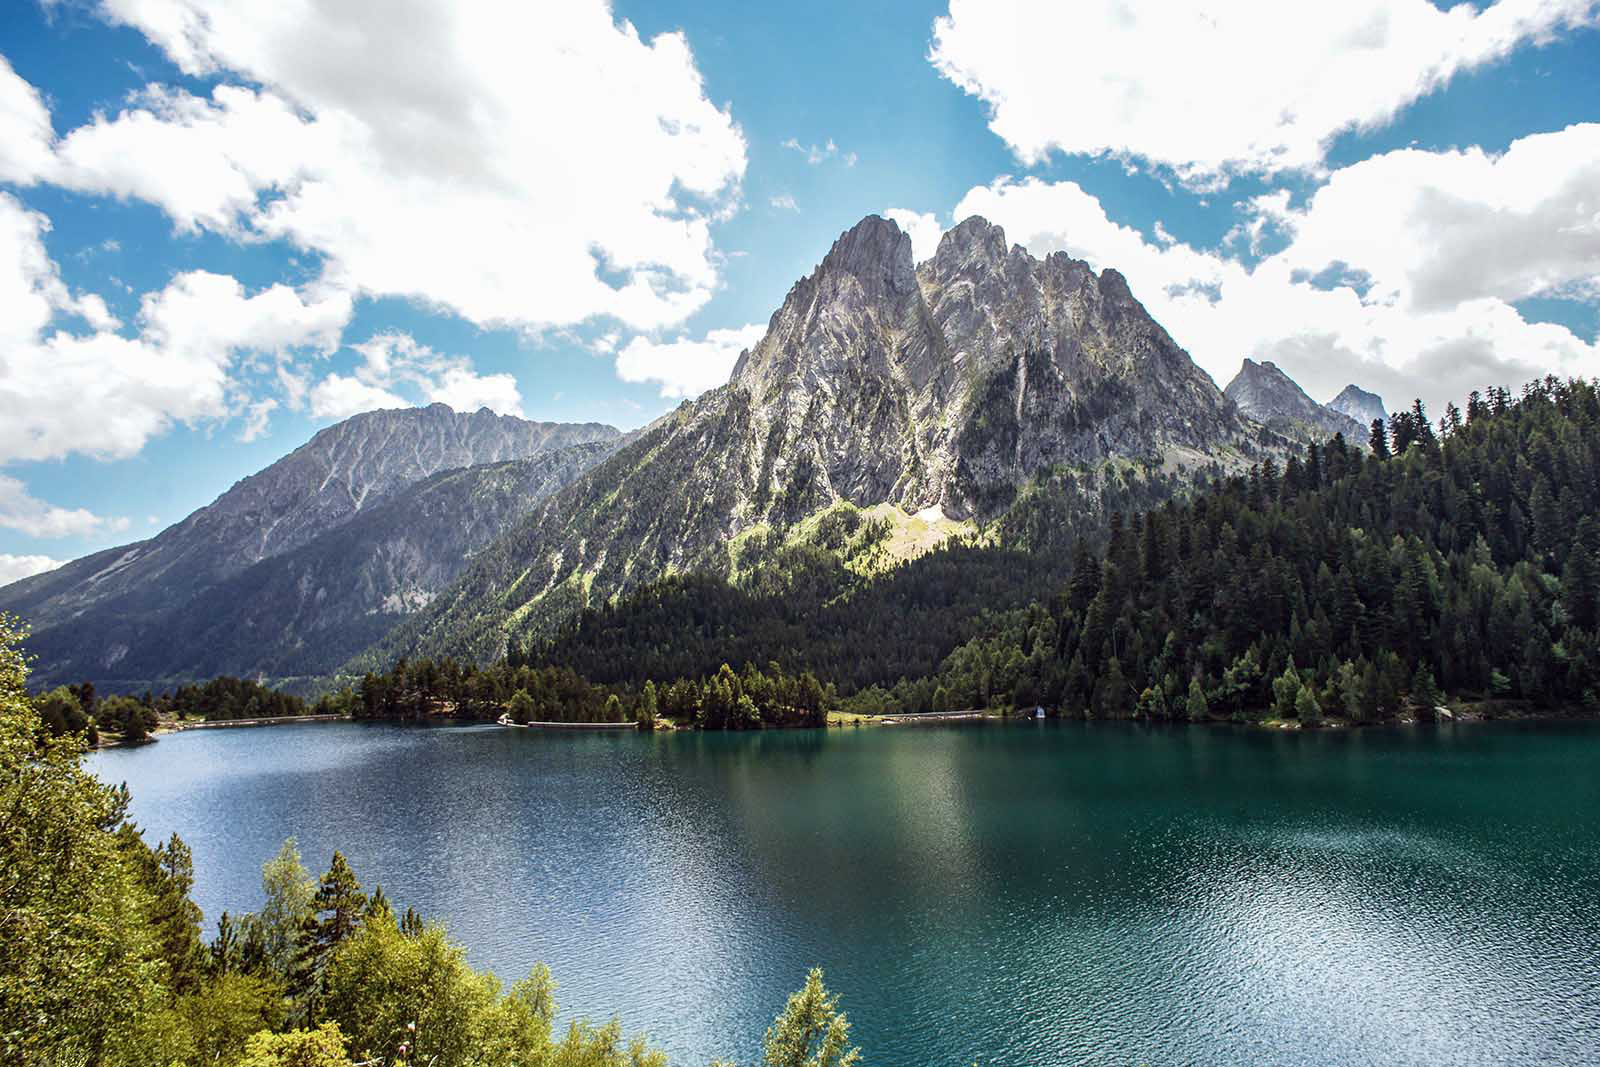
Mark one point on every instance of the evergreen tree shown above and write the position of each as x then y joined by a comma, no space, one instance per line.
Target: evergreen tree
811,1031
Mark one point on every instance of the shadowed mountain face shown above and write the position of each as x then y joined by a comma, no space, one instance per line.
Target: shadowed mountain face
1268,395
947,385
95,613
1360,405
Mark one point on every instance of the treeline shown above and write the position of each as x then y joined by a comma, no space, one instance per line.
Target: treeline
749,700
1455,562
419,689
72,709
103,962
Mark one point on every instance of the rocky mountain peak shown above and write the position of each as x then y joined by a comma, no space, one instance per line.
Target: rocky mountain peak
876,253
1268,395
973,239
1360,405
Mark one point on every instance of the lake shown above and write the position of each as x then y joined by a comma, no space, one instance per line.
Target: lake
1039,894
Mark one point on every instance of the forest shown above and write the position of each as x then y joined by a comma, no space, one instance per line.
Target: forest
104,962
1438,565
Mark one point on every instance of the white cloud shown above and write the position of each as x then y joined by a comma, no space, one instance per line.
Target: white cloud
391,362
686,367
1410,296
923,228
101,393
16,568
1237,85
784,202
21,511
531,165
1434,229
24,129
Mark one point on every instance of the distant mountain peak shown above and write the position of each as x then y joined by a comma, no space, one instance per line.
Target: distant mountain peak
1265,393
1360,405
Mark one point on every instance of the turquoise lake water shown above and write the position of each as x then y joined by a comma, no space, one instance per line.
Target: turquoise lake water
1040,894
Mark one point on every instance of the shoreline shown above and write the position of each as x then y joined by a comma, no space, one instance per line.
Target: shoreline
167,728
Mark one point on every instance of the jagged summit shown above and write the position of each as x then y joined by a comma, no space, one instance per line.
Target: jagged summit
1268,395
876,252
1360,405
944,387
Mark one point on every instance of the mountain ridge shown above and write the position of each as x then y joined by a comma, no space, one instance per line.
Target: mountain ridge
948,385
343,471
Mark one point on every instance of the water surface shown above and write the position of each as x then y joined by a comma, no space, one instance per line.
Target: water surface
1039,894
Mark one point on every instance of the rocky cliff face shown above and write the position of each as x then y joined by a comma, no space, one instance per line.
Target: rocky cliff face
345,470
942,386
1268,395
1359,405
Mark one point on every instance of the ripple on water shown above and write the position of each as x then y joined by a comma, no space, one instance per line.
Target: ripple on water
1066,895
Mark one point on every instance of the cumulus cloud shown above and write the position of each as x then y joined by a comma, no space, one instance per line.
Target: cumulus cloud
1437,228
686,367
1362,292
1233,86
431,151
923,229
395,362
21,511
784,202
16,568
99,392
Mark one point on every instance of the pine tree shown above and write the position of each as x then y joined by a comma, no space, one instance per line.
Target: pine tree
338,908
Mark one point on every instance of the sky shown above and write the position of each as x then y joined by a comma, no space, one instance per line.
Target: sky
225,225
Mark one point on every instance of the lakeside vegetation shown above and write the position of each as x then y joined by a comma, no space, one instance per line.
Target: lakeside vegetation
72,709
103,962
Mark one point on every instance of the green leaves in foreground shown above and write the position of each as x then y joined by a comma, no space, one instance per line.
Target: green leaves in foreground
811,1031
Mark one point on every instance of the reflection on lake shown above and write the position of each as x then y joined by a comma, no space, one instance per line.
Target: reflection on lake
1037,894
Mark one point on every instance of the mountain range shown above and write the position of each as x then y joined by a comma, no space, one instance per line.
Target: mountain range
967,397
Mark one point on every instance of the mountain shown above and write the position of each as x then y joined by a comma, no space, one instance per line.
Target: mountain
933,394
1268,395
107,605
1360,405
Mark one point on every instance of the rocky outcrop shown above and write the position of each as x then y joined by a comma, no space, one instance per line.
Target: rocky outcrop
1268,395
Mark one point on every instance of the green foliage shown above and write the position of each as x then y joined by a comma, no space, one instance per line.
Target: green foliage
224,699
78,958
1461,566
322,1047
273,934
811,1031
101,963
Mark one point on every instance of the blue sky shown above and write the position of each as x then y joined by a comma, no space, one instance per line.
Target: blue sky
219,234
